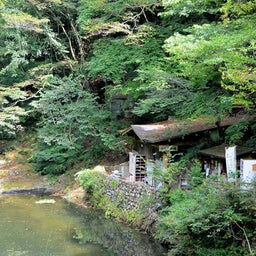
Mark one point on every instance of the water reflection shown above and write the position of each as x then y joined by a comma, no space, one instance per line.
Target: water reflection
63,229
118,239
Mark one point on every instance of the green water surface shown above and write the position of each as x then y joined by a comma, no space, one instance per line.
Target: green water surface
63,229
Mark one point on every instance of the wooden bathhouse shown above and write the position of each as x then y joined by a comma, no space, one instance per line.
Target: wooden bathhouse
157,141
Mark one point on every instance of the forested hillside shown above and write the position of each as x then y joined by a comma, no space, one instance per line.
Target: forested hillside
64,62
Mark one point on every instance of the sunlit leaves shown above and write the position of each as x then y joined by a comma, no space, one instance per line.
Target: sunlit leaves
107,29
187,8
10,121
32,49
103,16
235,8
24,21
241,82
197,60
223,49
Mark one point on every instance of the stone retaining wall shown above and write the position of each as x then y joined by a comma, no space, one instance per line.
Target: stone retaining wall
135,203
131,195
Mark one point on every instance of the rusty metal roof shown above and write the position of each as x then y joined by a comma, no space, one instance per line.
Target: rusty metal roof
219,151
170,129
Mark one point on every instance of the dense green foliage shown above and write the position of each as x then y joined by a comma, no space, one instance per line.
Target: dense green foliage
72,121
212,219
63,65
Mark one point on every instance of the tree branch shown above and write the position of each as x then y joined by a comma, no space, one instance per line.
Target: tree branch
246,238
29,98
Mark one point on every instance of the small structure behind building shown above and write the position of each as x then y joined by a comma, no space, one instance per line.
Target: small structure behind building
248,170
215,157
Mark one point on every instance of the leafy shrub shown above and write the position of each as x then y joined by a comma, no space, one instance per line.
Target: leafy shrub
222,252
236,132
196,174
53,160
217,217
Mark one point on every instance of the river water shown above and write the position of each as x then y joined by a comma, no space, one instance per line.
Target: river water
29,227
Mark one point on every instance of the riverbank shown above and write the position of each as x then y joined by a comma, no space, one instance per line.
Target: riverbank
17,177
